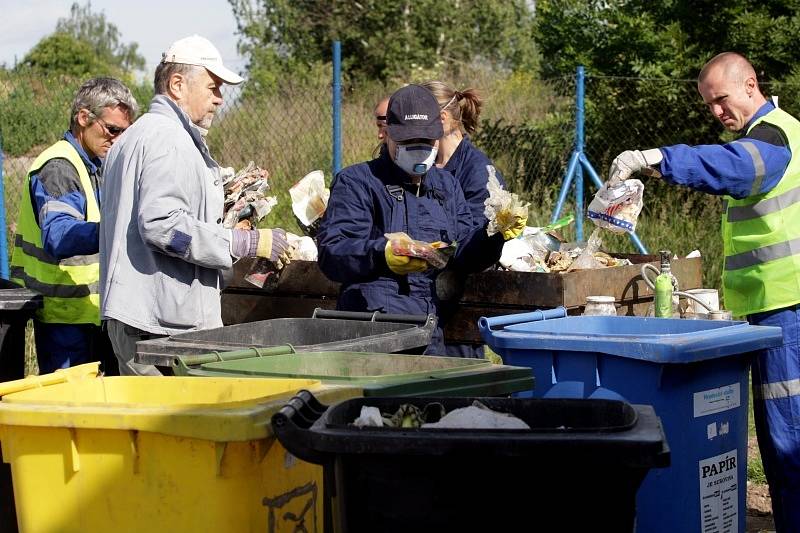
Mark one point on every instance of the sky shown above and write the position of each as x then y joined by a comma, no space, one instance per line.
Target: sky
153,24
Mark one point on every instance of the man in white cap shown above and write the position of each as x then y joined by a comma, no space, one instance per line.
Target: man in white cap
162,244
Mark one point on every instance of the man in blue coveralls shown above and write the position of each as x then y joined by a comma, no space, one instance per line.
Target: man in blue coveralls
759,175
401,191
56,243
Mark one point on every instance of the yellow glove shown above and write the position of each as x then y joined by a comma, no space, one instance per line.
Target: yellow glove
516,230
401,264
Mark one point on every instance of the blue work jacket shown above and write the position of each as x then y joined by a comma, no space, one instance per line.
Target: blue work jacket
372,199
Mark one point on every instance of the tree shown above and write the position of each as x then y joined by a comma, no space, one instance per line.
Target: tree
61,53
381,40
103,37
664,42
85,44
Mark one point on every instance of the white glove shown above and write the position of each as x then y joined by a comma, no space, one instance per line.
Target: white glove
630,161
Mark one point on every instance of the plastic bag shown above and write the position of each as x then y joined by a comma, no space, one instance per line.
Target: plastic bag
586,260
617,208
437,254
501,208
310,200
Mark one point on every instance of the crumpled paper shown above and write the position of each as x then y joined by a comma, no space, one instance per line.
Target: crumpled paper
502,208
309,200
246,197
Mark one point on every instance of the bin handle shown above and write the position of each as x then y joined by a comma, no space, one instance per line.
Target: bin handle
292,423
59,376
375,316
487,323
182,363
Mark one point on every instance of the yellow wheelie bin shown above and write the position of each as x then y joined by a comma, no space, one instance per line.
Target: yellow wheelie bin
95,454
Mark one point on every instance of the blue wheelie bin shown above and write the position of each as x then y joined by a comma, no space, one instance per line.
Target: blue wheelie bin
693,372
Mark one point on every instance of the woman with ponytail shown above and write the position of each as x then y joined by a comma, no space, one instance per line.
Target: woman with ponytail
457,155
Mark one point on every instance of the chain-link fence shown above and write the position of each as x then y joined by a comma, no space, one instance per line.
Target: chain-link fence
527,128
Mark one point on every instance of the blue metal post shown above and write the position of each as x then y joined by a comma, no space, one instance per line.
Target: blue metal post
579,123
578,163
337,107
4,232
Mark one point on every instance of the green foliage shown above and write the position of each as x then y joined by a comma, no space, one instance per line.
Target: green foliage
64,54
36,96
383,40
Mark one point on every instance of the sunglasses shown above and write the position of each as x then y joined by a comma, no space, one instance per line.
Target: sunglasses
111,129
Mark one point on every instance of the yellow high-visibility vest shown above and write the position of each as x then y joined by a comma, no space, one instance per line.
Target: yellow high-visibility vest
70,286
761,233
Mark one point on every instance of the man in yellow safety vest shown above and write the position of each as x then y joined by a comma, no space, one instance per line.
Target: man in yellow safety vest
56,246
759,176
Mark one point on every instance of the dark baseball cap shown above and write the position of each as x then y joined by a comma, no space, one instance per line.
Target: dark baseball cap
413,113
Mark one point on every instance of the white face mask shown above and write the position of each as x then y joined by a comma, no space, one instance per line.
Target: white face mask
415,159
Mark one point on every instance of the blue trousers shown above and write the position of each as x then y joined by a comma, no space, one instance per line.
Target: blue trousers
66,345
776,407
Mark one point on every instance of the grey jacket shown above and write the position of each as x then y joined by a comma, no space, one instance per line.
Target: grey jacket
162,244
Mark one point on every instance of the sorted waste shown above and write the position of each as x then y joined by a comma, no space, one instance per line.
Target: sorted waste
434,416
436,254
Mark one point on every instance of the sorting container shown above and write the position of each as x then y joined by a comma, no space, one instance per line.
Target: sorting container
325,331
377,374
693,372
17,306
94,454
577,469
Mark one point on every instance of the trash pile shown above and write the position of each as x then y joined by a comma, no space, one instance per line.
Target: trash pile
433,416
538,250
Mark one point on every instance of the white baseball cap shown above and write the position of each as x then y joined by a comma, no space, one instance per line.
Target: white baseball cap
197,50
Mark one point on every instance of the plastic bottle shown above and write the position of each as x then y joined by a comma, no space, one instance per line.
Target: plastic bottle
663,291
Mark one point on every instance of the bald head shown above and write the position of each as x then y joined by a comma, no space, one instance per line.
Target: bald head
729,87
732,65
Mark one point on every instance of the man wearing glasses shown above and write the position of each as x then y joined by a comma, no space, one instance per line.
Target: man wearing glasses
56,246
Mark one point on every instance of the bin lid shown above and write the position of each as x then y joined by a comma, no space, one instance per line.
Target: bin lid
222,409
660,340
16,298
581,430
383,373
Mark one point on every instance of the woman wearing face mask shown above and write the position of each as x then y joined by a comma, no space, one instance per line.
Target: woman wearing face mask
400,191
457,155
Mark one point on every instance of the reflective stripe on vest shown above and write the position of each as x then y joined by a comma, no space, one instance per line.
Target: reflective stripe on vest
777,390
761,237
70,286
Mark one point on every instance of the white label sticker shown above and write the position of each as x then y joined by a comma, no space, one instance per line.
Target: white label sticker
717,400
711,430
719,494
